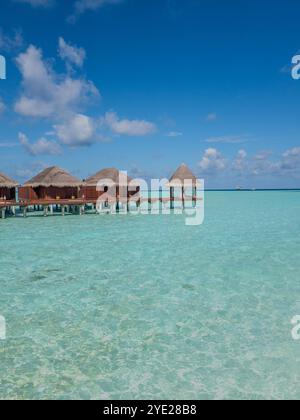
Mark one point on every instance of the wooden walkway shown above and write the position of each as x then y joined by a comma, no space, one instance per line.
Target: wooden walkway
81,202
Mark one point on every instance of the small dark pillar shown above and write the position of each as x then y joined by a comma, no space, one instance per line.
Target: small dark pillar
127,200
172,198
195,196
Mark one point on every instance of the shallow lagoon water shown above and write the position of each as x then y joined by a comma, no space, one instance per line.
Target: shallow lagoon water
127,307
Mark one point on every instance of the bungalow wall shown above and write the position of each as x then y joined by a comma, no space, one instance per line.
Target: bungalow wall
8,193
26,193
91,193
49,193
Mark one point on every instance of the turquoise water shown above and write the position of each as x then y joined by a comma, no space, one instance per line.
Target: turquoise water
125,307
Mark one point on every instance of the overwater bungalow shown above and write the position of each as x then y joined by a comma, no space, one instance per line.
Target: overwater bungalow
106,181
52,184
183,183
7,188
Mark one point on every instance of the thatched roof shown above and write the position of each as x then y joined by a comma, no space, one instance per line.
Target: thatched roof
53,177
183,174
112,174
6,182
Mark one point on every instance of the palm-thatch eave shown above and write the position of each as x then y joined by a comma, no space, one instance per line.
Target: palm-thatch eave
183,175
54,177
6,182
111,174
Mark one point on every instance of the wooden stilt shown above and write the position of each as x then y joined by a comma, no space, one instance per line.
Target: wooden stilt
161,199
172,198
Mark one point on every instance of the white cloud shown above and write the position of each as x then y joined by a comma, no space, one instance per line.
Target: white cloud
291,160
248,169
8,145
211,117
212,161
258,164
40,147
262,155
228,139
174,134
46,94
78,131
240,164
70,53
128,127
10,42
59,99
81,6
261,164
242,154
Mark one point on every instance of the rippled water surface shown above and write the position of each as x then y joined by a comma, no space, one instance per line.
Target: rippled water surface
127,307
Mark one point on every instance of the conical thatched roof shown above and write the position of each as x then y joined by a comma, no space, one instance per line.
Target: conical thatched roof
112,174
182,174
53,177
6,182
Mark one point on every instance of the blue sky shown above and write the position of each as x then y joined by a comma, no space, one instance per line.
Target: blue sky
145,85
